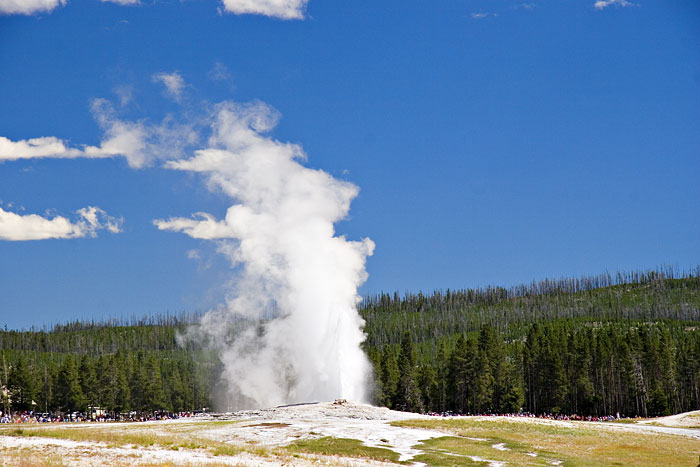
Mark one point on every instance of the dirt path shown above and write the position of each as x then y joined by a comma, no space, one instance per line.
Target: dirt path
682,420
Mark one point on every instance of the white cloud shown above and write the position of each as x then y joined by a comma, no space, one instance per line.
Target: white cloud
17,227
202,226
28,7
173,82
139,142
122,141
123,2
479,15
284,9
47,146
121,137
94,219
601,4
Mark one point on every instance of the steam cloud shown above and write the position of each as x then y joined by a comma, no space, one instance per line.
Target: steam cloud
289,330
296,277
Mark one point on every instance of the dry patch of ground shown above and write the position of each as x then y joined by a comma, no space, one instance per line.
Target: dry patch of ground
683,420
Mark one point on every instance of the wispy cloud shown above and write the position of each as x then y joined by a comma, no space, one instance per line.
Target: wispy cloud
141,143
284,9
219,72
196,256
125,94
201,225
18,227
173,82
28,7
602,4
482,15
123,2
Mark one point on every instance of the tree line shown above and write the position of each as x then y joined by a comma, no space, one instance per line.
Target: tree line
625,343
651,295
119,369
560,367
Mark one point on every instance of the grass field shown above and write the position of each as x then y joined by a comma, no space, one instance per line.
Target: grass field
521,442
466,441
345,447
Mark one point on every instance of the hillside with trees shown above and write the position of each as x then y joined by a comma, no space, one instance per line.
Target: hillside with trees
628,343
121,368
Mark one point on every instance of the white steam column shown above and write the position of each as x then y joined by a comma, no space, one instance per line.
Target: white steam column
296,275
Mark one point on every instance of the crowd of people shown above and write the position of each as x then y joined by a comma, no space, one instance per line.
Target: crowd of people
546,416
76,417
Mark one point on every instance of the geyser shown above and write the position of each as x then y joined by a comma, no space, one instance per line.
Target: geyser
295,294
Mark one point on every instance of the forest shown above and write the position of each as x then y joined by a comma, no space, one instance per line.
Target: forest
627,343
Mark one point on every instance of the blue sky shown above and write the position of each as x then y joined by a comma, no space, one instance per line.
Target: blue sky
493,142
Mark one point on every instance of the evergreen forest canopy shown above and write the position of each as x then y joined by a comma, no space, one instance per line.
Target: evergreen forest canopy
628,343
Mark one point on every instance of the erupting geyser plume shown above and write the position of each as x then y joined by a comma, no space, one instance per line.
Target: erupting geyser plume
297,280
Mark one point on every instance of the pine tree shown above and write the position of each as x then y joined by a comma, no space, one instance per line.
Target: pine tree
154,396
176,389
428,386
461,375
375,358
407,394
46,394
509,386
389,376
21,386
68,391
531,362
121,390
442,376
135,369
483,379
582,394
88,381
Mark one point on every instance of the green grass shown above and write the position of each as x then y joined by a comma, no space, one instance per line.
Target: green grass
578,445
449,450
330,446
